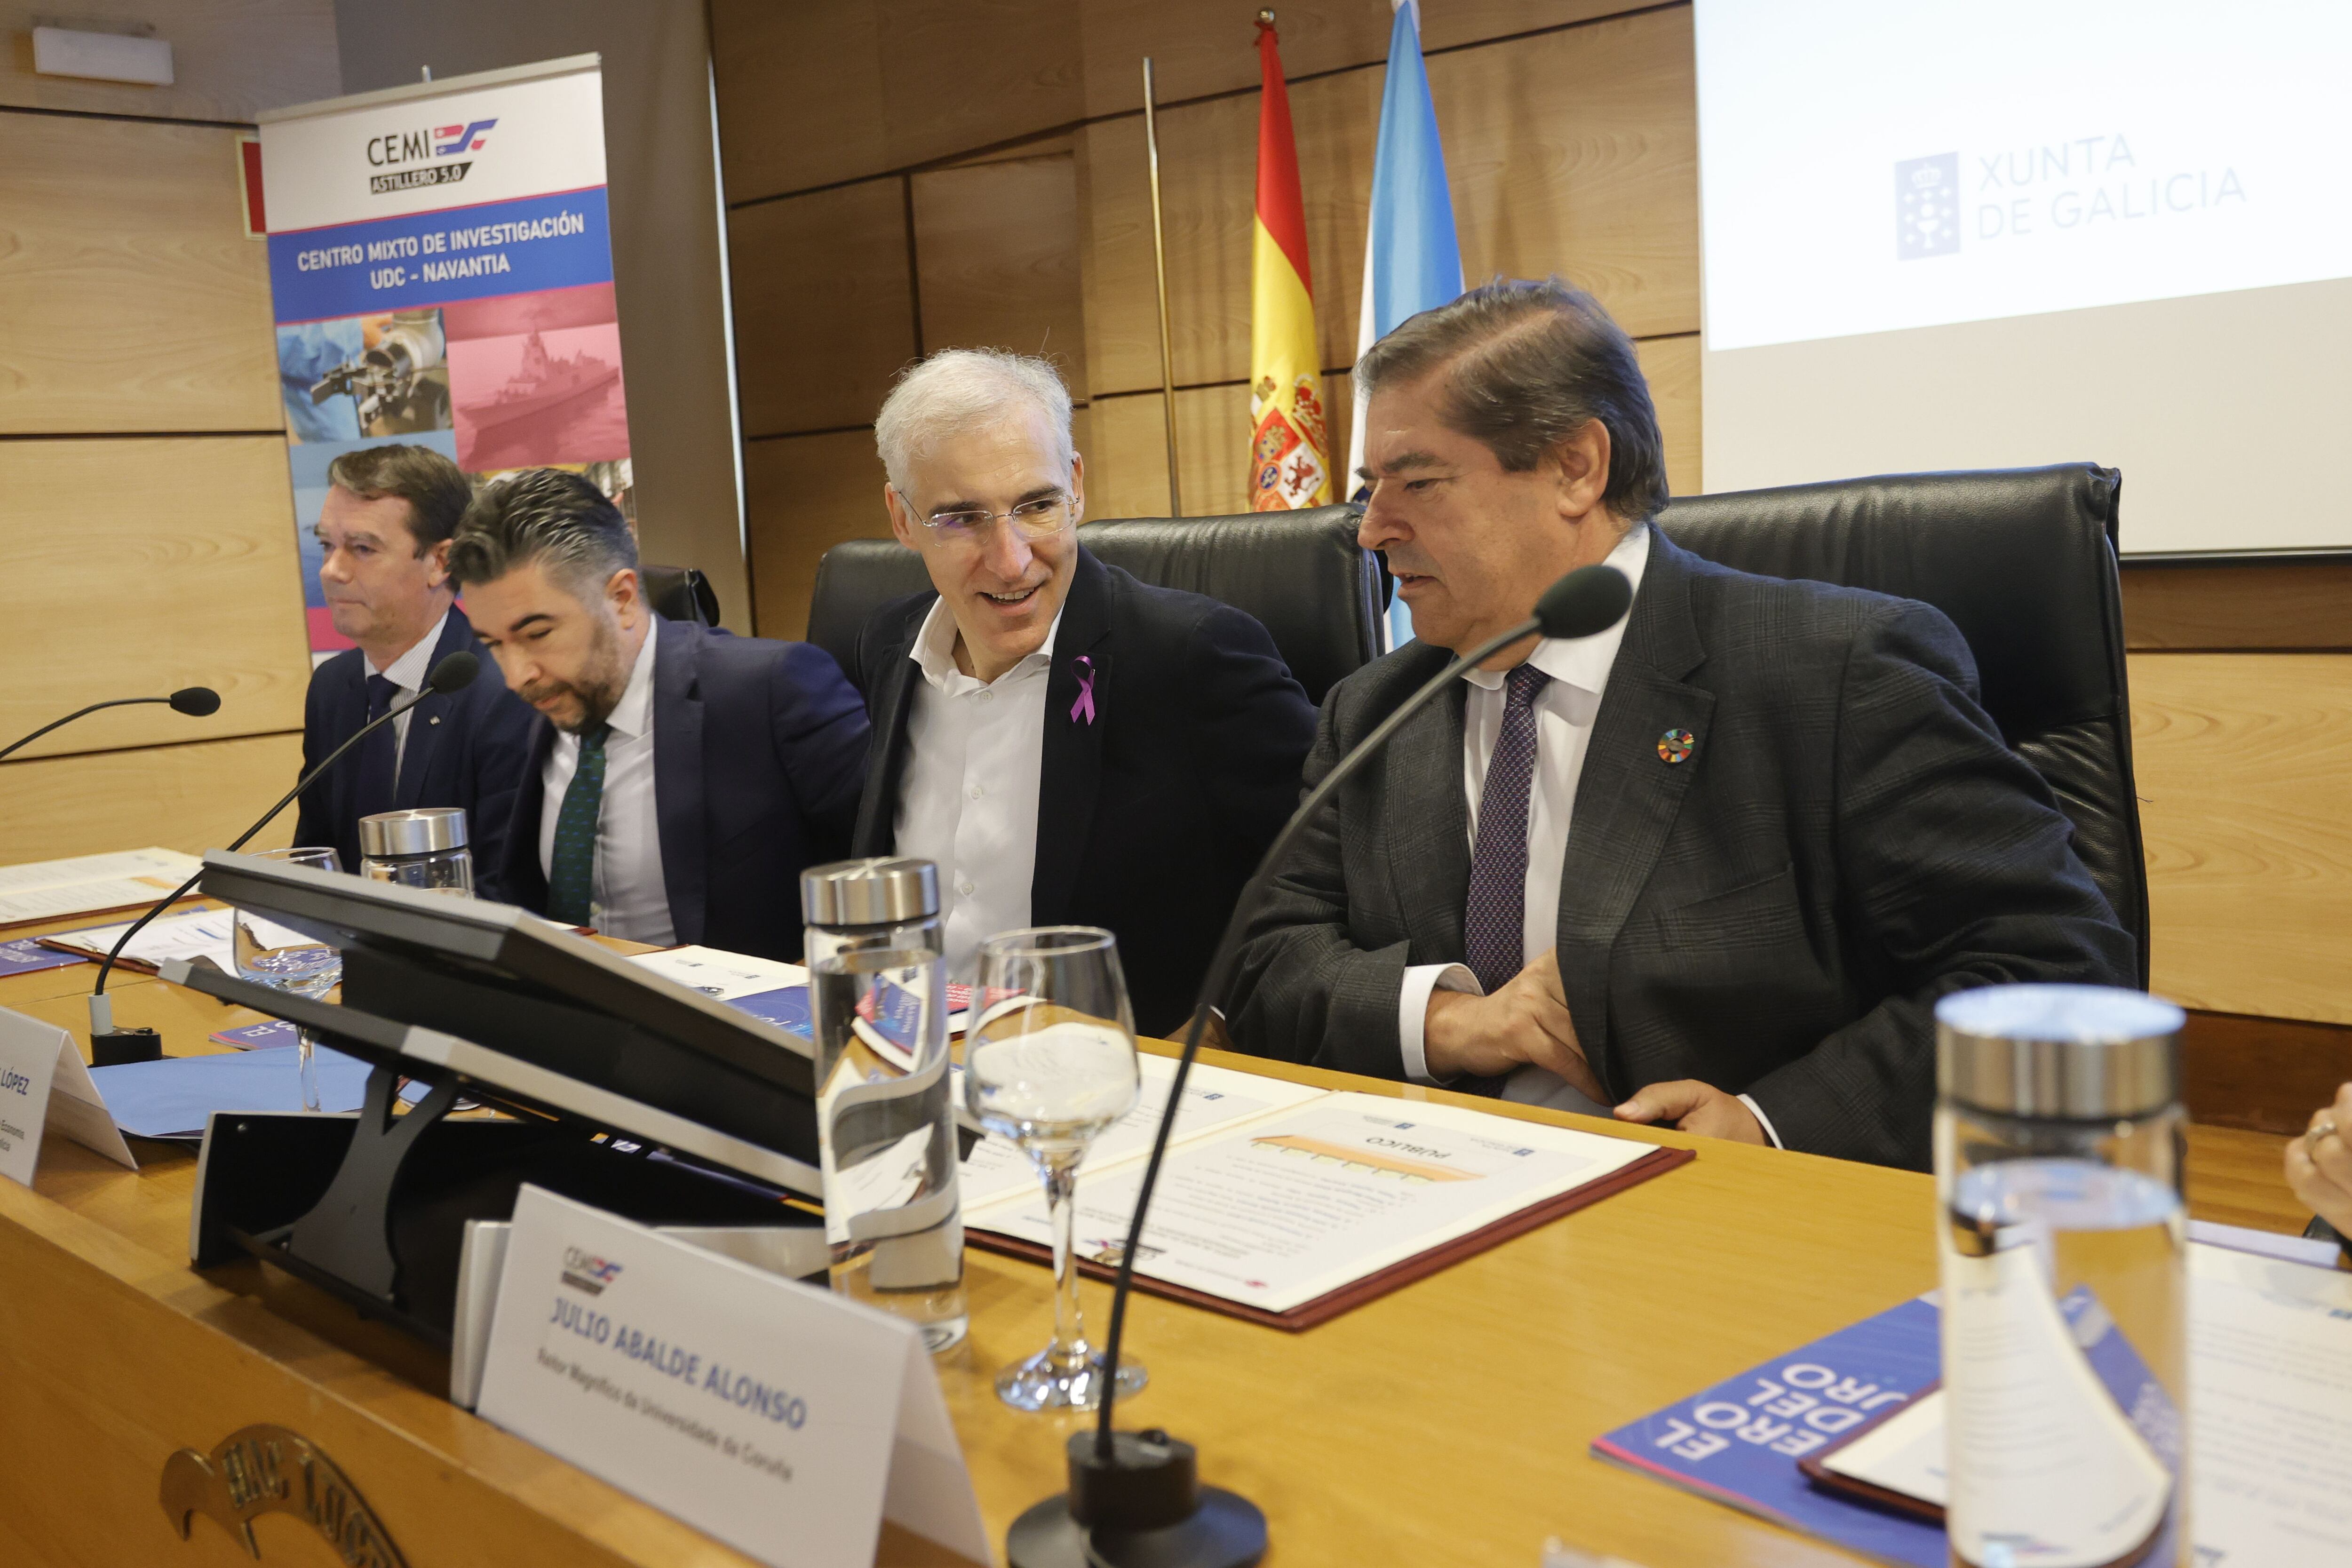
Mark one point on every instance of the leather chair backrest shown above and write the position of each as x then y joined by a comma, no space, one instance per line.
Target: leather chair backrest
2023,562
1318,594
681,593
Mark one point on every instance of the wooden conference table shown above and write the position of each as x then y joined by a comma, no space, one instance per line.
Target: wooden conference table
1447,1423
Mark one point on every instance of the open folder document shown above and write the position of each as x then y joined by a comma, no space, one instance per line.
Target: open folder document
88,884
1287,1205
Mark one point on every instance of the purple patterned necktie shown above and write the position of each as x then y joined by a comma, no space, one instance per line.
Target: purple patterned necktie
1493,925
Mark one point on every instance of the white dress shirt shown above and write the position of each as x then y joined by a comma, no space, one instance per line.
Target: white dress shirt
407,675
1565,710
968,800
630,897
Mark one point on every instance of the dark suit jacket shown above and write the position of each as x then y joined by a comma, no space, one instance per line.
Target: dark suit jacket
465,749
1152,817
759,755
1848,841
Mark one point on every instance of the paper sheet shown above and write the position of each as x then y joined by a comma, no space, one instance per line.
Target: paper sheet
1290,1207
204,934
723,976
45,890
1214,1097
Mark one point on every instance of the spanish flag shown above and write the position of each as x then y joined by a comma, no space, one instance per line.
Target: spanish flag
1290,452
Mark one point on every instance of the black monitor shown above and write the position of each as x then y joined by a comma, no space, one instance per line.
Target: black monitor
522,1011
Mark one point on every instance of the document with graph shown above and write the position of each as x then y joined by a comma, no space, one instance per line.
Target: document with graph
1294,1216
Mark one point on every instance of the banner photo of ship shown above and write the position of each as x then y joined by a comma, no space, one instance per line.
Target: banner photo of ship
441,274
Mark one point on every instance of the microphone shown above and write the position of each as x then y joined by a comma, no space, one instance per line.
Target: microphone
1134,1498
196,701
455,672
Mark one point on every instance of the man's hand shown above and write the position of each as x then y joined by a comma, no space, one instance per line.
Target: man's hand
1526,1022
2319,1163
1695,1107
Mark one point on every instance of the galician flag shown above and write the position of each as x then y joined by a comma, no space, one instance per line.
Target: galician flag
1412,262
1290,450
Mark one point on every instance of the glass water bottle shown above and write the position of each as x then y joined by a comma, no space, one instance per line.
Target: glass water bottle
2059,1147
886,1101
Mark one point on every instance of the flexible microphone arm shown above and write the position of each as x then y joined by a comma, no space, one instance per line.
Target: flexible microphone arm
454,673
1587,601
200,701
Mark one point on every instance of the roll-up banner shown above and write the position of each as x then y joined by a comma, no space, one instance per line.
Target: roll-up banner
441,275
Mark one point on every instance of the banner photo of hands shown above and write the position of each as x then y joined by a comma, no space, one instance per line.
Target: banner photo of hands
441,274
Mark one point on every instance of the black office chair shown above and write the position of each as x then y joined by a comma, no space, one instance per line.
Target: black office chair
2023,562
1301,574
681,593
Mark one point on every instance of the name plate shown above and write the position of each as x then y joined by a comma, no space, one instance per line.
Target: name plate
778,1417
43,1084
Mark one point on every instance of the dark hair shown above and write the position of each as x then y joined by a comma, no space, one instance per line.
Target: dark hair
542,514
436,491
1527,365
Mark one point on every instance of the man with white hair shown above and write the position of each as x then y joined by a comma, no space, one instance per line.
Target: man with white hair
1071,746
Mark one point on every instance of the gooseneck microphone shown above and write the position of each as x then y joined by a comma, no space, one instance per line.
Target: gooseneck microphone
1134,1498
196,701
455,672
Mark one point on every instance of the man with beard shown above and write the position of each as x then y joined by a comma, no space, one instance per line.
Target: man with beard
679,778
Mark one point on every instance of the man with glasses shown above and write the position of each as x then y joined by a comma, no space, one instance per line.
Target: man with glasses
1071,746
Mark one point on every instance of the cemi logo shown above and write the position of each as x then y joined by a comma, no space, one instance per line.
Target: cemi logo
414,157
586,1272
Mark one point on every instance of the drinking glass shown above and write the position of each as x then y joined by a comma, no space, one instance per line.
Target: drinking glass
284,960
1051,1076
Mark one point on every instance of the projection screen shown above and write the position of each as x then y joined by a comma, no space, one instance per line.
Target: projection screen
1940,235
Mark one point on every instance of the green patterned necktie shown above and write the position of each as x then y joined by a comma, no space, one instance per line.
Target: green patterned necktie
571,870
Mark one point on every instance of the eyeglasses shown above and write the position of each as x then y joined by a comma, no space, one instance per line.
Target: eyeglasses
1040,519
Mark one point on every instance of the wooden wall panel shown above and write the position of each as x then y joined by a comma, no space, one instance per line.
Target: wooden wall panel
138,566
820,91
803,494
2244,763
131,297
232,61
2238,604
996,251
193,797
1576,152
825,311
1670,365
800,93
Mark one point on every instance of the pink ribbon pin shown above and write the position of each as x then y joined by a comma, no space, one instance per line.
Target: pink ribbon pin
1084,708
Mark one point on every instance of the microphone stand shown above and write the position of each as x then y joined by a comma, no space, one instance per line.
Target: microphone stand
109,1046
79,712
1135,1497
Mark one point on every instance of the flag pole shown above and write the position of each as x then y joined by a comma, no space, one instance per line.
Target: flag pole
1160,270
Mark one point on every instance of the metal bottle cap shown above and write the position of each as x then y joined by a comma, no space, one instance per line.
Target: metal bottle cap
2076,1052
390,835
875,891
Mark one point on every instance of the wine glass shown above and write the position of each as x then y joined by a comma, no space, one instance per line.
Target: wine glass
286,959
1051,1076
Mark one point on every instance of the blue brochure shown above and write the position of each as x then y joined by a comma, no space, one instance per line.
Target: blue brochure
788,1009
254,1037
173,1098
1740,1441
26,955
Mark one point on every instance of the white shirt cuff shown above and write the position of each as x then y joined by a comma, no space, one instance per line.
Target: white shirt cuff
1412,1009
1750,1102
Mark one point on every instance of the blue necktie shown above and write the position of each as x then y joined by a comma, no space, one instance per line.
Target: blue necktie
571,869
379,753
1493,922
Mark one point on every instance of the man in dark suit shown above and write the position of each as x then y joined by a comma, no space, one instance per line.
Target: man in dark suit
384,528
1069,745
1713,867
678,779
